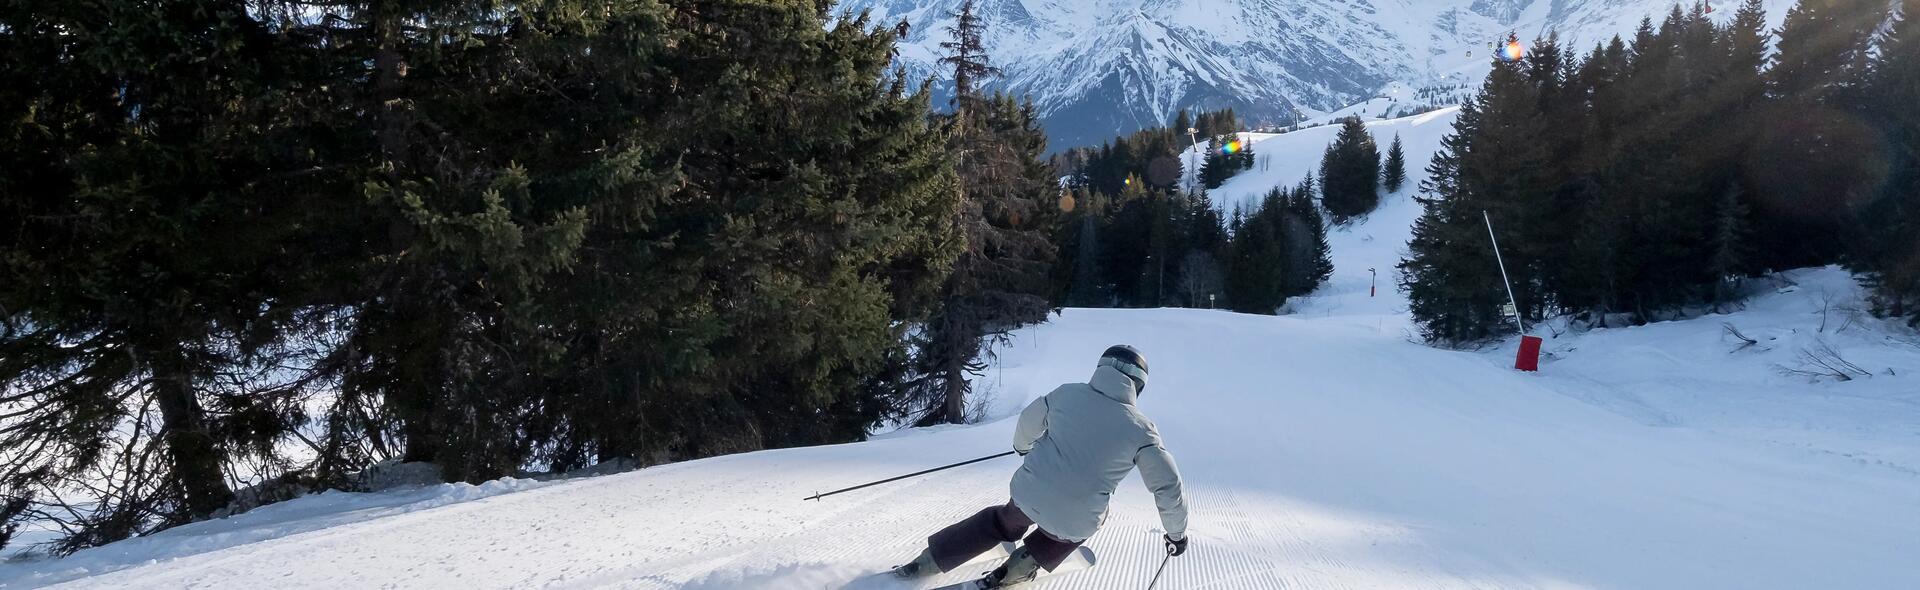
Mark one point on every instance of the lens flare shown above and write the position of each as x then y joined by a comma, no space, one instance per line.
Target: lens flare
1513,51
1230,147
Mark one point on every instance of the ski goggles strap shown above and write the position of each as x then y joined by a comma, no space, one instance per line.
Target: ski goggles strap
1132,371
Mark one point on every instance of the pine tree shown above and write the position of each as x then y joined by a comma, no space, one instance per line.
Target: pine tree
1313,261
1162,248
1730,243
1823,49
1453,283
1394,172
1747,40
1534,188
1154,154
1743,82
1815,159
1350,173
966,53
999,282
1088,288
1256,271
1626,182
1202,275
1890,256
494,245
1221,162
167,205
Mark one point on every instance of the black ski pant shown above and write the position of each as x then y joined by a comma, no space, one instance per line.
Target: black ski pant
961,542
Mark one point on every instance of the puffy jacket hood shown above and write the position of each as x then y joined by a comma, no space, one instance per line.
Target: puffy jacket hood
1114,384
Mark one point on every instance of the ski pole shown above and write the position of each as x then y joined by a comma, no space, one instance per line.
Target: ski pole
817,496
1156,573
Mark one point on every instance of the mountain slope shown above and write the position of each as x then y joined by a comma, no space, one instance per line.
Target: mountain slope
1097,68
1320,450
1316,454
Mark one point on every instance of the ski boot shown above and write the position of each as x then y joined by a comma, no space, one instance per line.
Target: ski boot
1020,568
920,567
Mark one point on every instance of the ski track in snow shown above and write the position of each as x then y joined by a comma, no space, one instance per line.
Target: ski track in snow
1321,450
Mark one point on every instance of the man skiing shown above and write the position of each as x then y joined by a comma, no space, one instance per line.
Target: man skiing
1078,442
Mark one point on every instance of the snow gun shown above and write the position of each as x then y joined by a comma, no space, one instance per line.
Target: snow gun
818,495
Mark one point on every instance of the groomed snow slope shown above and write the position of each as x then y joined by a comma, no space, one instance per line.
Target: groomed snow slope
1321,450
1379,241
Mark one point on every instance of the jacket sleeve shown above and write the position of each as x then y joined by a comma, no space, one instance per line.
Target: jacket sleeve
1163,479
1033,423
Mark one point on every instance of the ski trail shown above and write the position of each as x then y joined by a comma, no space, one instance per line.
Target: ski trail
1376,476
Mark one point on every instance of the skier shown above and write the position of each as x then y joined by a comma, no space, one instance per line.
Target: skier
1078,442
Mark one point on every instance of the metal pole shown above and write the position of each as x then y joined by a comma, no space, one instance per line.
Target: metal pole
1156,573
914,474
1503,273
1193,170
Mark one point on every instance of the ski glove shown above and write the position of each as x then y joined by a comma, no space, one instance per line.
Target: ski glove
1175,547
1022,453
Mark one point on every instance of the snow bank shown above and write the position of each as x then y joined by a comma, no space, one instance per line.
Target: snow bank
308,514
1699,374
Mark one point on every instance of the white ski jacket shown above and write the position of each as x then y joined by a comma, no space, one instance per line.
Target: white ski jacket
1080,441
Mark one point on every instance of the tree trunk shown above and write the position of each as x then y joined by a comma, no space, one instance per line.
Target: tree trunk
389,67
195,456
416,392
618,430
420,440
956,402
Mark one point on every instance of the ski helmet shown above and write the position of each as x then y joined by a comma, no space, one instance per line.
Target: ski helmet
1130,363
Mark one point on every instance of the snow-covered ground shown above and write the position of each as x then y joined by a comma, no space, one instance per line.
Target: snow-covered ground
1321,449
1378,242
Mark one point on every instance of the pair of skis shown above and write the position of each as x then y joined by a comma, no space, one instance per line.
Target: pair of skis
1081,559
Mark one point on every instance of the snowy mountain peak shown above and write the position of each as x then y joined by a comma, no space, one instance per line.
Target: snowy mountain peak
1099,68
1501,11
